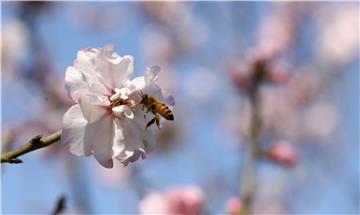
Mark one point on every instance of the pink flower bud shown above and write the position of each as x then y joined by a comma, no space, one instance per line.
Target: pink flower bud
186,200
279,76
234,205
282,153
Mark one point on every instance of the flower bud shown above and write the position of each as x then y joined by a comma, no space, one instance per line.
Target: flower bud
234,205
282,153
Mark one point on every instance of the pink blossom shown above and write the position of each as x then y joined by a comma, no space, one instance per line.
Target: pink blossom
235,205
106,121
283,153
188,200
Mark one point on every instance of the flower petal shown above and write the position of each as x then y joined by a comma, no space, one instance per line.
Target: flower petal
113,70
118,144
75,83
137,84
121,110
137,141
122,71
93,106
134,157
73,131
85,63
100,136
151,74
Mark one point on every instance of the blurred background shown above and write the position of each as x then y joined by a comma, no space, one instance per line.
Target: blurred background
266,115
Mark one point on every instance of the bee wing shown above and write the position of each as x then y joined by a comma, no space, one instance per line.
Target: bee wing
169,99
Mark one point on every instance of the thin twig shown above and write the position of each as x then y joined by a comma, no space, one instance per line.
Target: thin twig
249,171
35,143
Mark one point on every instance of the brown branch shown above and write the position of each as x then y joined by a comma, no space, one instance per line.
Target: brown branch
250,164
35,143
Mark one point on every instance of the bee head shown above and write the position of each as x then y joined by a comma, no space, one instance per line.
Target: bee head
144,97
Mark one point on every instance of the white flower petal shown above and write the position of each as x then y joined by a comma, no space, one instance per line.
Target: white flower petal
75,83
137,84
124,92
121,110
73,131
151,74
85,63
119,143
136,139
115,96
134,157
122,71
93,106
113,70
100,136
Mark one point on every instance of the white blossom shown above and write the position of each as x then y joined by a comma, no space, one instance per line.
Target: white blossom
107,120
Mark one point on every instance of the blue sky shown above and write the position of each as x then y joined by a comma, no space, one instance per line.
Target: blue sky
202,158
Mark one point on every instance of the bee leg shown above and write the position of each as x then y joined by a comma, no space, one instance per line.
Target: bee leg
157,119
150,123
146,112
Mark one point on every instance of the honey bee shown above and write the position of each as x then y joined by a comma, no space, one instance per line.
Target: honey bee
156,107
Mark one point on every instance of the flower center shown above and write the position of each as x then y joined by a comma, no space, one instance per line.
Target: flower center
118,102
120,97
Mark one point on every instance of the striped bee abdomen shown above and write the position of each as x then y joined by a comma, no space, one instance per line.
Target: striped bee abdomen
164,111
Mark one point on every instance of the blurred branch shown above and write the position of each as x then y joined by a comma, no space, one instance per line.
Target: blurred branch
60,206
248,182
35,143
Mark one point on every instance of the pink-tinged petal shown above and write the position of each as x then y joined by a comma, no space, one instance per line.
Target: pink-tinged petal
100,136
75,83
73,131
122,71
85,63
137,141
134,157
93,106
87,54
151,74
118,144
113,70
